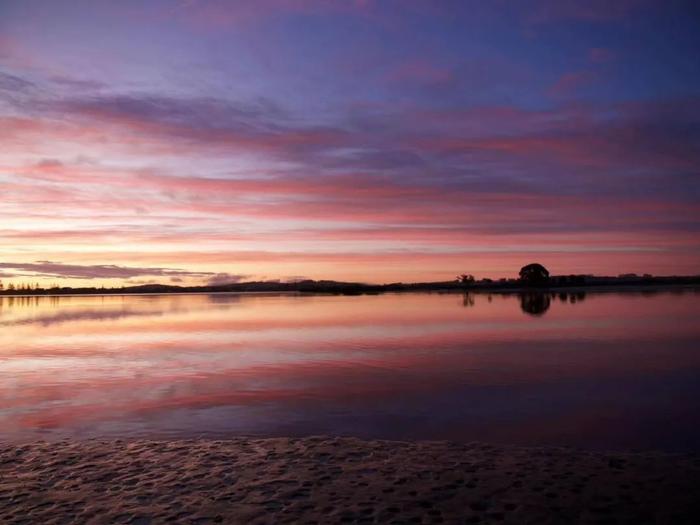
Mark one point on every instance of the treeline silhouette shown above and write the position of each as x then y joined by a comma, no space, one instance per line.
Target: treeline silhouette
352,288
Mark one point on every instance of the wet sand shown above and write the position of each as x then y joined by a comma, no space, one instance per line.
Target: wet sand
339,480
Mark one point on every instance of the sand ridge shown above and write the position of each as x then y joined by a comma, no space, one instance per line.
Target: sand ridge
339,480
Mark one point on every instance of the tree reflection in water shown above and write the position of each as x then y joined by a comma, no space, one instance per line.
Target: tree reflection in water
537,303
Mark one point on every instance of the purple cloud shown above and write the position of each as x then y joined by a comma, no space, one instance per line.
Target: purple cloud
13,83
226,278
98,271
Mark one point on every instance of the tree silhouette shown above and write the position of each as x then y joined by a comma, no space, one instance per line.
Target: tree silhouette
465,278
534,273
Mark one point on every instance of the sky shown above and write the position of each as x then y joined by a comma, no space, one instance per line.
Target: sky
211,141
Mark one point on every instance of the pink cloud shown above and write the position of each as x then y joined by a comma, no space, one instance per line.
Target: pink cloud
351,212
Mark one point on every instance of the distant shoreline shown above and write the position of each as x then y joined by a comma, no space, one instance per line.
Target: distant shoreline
594,285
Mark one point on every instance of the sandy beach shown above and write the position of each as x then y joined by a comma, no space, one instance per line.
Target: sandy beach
339,480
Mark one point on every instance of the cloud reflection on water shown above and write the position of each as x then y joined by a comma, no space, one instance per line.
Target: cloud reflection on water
599,372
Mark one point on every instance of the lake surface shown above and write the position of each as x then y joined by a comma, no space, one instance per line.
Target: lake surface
597,370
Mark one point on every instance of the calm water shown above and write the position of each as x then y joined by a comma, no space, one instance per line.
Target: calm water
600,371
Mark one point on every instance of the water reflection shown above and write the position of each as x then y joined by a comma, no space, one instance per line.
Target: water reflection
534,303
77,308
608,371
468,299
